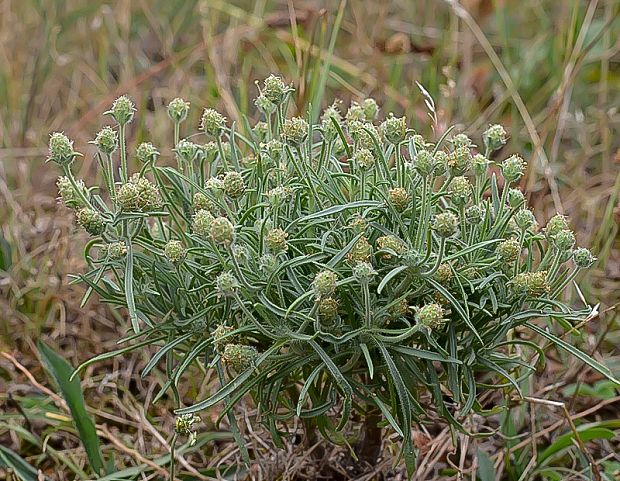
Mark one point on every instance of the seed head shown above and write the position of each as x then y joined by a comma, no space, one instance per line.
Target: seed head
371,109
279,195
430,316
122,110
67,193
178,110
513,168
392,244
480,164
425,163
555,225
90,220
364,272
226,284
399,198
474,214
174,251
212,122
146,153
222,232
525,220
276,240
275,90
564,240
360,252
324,284
459,161
494,137
106,140
61,149
460,190
138,195
400,309
509,250
294,131
239,356
364,159
445,224
233,184
394,129
583,258
328,308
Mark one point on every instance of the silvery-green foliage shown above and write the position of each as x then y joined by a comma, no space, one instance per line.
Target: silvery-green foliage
320,269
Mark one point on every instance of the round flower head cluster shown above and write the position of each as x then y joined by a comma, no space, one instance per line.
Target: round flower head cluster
226,284
201,222
233,184
583,258
106,140
328,308
184,423
174,251
555,225
122,110
394,129
444,274
392,245
425,163
524,219
90,220
460,141
116,250
480,164
430,316
187,151
360,252
178,110
515,198
239,356
266,106
371,109
330,115
276,240
201,202
513,168
324,284
210,151
445,224
494,137
534,284
564,240
67,192
138,195
509,250
399,198
364,272
212,122
221,336
355,113
474,214
146,153
460,190
222,231
364,159
294,131
459,161
274,89
61,149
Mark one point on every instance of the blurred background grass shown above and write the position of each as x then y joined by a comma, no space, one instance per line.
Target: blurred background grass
548,70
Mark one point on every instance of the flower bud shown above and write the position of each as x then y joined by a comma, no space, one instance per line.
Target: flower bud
425,163
275,90
174,251
459,161
61,149
474,214
494,137
400,309
274,149
233,184
525,220
364,272
222,232
294,131
430,316
515,198
445,224
509,250
513,168
116,250
364,159
106,140
392,244
324,284
583,258
178,110
564,240
371,109
187,151
394,129
212,122
241,253
210,151
480,164
276,240
146,153
215,185
330,114
460,190
556,224
239,356
67,193
122,110
90,220
226,284
399,198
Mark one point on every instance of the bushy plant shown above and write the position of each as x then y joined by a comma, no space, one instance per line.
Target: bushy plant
330,268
